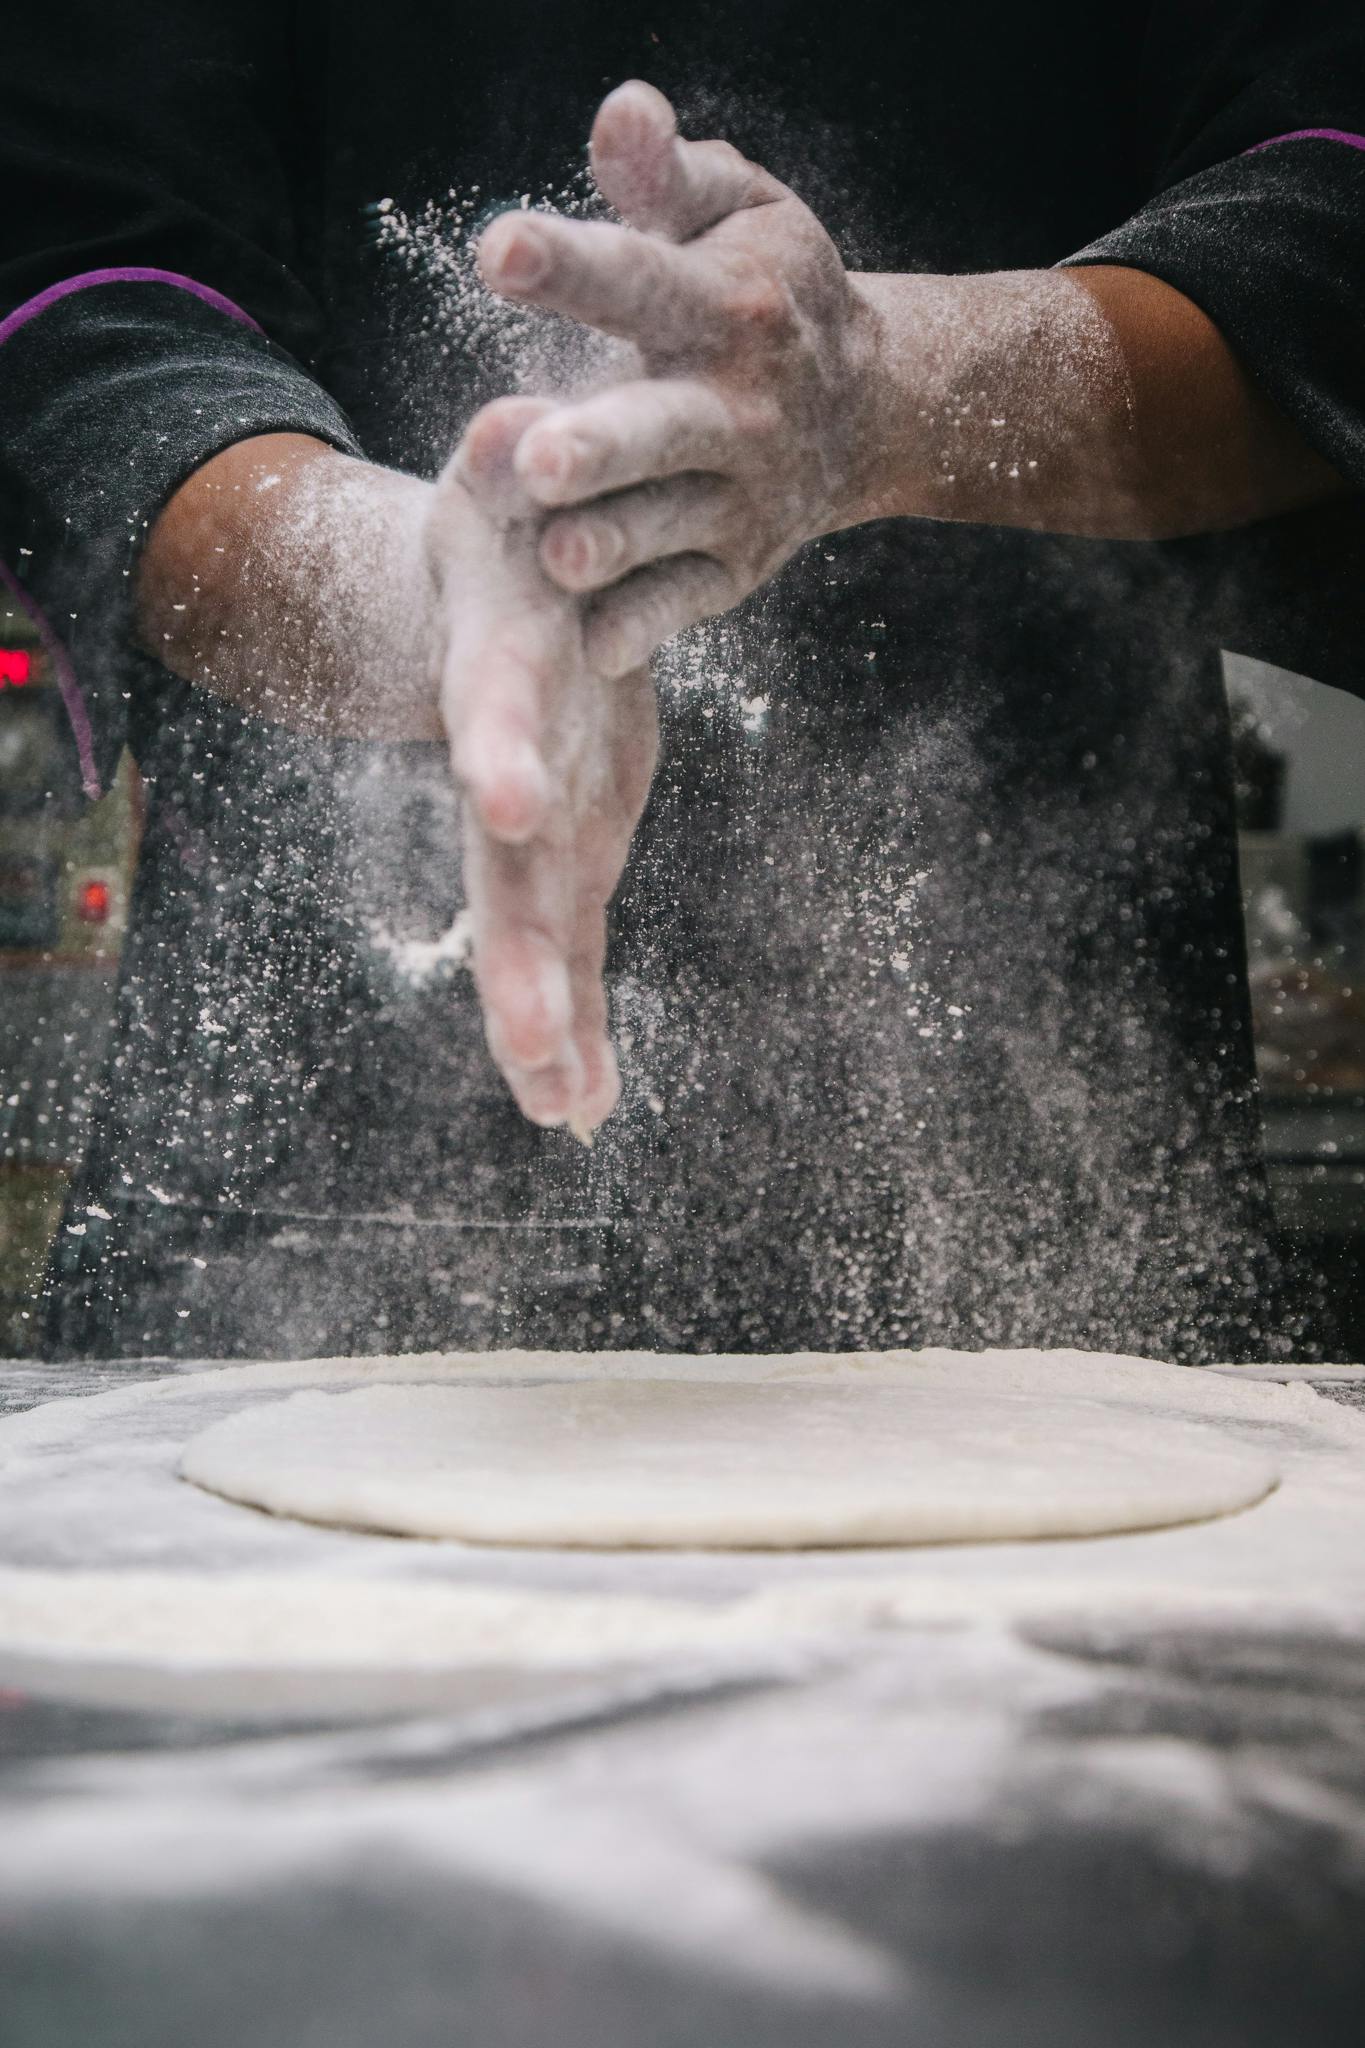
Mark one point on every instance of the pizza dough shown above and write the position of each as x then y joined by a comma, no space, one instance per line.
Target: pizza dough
945,1453
120,1583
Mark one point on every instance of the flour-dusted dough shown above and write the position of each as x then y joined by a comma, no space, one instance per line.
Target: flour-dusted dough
121,1584
946,1454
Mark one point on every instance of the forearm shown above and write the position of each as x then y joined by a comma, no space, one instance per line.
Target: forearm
293,581
1093,401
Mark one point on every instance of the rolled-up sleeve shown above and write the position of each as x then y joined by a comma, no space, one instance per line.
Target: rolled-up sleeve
153,305
1254,135
1251,115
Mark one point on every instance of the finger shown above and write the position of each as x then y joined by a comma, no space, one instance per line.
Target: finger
633,619
633,434
493,695
632,740
589,549
503,647
545,1006
600,1093
611,278
546,1099
483,462
600,1083
601,844
523,983
633,723
660,183
518,902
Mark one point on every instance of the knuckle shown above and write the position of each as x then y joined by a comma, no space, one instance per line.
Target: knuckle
755,415
588,550
502,410
561,550
769,307
560,460
757,300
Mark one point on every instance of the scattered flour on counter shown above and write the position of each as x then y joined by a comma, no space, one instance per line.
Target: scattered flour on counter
109,1560
342,1622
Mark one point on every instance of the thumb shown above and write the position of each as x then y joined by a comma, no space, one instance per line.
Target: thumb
658,182
483,462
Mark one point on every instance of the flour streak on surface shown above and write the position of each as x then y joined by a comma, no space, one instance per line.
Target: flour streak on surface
108,1561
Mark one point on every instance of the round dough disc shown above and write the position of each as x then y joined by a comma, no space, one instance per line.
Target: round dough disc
672,1463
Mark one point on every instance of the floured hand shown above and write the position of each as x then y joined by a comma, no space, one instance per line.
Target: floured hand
746,436
554,763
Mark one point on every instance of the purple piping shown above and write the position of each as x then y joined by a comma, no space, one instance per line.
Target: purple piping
56,653
129,274
1310,135
66,680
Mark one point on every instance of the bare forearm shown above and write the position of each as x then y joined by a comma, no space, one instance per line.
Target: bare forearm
1096,401
292,581
337,598
781,398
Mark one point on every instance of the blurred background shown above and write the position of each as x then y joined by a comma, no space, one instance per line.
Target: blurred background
66,872
1301,801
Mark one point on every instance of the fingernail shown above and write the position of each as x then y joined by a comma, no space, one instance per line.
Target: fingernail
551,457
604,1091
553,1095
551,460
560,468
591,548
522,260
605,546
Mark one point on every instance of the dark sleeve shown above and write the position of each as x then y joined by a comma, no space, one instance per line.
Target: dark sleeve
1254,119
153,303
1252,122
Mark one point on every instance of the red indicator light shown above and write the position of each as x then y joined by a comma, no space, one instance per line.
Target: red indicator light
93,900
16,668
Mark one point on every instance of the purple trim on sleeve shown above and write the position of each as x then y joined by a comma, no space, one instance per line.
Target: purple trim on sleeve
129,274
1310,135
66,680
70,689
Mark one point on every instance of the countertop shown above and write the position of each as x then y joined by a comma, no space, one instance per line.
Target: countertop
1100,1831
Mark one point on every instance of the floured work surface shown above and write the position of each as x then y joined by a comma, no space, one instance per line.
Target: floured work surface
111,1564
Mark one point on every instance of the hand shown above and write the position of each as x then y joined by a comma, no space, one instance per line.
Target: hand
555,764
672,496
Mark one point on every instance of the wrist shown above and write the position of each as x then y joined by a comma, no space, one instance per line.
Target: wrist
890,404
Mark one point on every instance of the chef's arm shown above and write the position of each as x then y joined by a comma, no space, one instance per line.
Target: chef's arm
293,580
338,598
1098,401
784,398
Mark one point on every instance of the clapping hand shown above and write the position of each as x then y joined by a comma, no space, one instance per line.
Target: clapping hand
672,495
616,521
555,765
